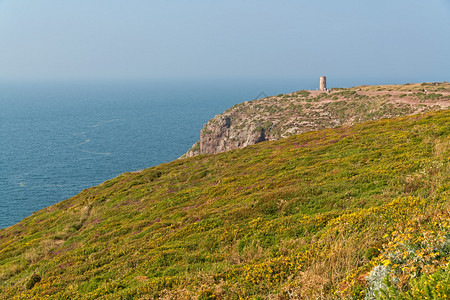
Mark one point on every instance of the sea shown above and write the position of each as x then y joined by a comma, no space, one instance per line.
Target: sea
58,138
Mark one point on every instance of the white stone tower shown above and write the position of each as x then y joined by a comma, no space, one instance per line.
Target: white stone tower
323,83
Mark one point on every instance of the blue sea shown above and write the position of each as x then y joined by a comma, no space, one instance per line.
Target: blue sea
58,138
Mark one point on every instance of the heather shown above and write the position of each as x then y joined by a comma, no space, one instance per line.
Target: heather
356,212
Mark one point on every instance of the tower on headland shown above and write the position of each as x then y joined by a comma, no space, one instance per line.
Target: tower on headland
323,83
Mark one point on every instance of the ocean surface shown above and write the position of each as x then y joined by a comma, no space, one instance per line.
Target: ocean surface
57,139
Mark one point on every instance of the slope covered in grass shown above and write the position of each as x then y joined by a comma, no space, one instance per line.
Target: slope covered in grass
322,214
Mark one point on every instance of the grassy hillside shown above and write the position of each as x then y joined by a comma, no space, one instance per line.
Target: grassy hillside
318,215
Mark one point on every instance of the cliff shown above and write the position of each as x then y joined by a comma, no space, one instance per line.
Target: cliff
277,117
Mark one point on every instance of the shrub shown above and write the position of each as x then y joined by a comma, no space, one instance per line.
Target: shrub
303,93
35,278
435,286
376,281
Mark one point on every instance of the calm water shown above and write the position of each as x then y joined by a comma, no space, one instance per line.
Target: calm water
57,139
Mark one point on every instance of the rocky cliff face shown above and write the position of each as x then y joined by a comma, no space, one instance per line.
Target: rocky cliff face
276,117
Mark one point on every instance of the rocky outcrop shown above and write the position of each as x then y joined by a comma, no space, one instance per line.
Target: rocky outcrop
276,117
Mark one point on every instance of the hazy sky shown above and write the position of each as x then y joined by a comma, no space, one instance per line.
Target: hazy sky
403,40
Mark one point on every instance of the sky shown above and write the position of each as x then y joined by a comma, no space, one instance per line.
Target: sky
386,40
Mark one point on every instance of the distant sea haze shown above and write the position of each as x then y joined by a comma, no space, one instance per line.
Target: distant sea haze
60,138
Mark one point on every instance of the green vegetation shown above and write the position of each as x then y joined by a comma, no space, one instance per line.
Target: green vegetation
434,286
409,87
346,94
349,212
196,146
430,96
263,127
303,93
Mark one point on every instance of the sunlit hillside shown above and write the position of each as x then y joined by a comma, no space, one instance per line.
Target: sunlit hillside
350,212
